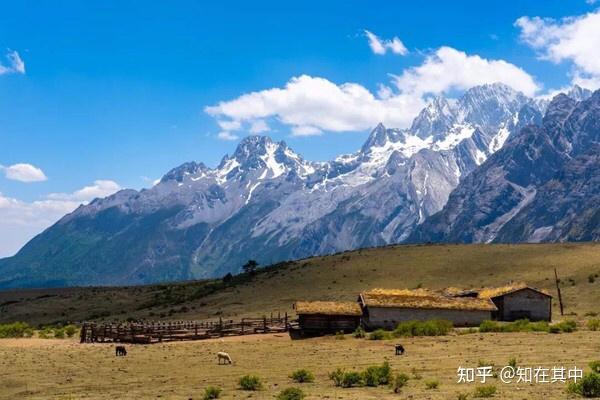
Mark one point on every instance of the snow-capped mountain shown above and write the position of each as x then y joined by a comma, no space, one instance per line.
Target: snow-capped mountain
541,186
266,202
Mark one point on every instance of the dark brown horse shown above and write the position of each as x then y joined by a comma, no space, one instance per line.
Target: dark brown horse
120,351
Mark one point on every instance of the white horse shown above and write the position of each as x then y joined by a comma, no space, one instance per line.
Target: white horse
223,356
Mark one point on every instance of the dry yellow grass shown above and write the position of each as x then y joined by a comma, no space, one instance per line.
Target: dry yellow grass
55,369
328,307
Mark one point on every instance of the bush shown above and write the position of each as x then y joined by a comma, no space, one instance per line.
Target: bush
432,384
462,396
381,334
71,330
352,378
485,391
521,325
211,393
400,380
15,330
566,326
377,375
250,382
512,362
589,386
291,394
360,333
337,377
595,366
59,333
340,335
433,327
593,324
302,376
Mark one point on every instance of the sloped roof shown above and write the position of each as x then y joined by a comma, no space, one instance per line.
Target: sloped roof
422,298
328,308
491,292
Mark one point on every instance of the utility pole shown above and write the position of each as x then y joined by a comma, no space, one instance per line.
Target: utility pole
558,290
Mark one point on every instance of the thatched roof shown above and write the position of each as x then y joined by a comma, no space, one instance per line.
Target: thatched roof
422,298
328,308
491,292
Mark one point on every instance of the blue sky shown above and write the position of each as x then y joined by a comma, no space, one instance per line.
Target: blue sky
117,92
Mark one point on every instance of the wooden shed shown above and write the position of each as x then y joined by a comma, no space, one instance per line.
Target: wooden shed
385,308
320,317
518,301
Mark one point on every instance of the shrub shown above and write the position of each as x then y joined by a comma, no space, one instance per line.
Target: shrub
593,324
377,375
462,396
340,335
360,333
71,330
250,382
381,334
302,376
15,330
595,366
291,394
566,326
432,384
337,377
352,378
59,333
400,380
211,393
46,333
485,391
512,362
522,325
423,328
589,386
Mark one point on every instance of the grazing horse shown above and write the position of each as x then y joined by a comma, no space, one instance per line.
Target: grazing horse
120,351
225,357
399,349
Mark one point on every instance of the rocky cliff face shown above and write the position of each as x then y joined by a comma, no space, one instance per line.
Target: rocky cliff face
538,187
266,202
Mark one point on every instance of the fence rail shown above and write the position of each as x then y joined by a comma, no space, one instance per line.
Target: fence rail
157,331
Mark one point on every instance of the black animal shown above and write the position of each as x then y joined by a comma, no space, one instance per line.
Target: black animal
120,351
399,349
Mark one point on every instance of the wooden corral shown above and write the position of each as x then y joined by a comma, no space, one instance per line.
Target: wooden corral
153,332
320,317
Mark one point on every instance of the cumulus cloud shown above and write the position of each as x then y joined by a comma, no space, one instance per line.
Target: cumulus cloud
381,46
226,135
24,173
20,220
572,39
447,69
310,105
14,65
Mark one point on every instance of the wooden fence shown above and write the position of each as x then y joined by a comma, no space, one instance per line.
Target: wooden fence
157,331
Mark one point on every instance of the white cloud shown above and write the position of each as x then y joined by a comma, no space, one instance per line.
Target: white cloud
381,46
100,188
226,135
20,220
24,173
450,69
15,64
573,39
259,126
311,105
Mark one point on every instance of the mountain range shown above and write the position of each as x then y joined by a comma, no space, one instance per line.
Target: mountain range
492,165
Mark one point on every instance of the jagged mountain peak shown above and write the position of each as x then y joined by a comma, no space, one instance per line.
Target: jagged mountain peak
187,168
437,117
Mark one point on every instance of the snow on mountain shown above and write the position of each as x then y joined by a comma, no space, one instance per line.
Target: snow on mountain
266,202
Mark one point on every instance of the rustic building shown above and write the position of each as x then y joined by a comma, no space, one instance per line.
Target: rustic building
385,308
320,317
518,301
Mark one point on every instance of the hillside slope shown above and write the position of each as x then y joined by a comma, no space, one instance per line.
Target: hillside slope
337,277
